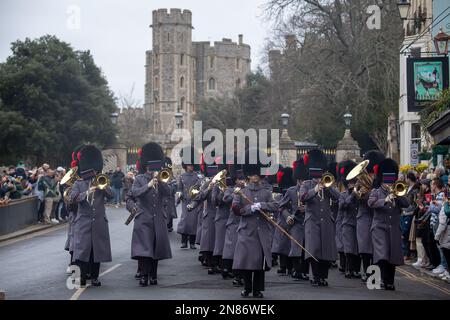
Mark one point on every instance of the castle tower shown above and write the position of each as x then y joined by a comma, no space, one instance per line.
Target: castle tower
170,74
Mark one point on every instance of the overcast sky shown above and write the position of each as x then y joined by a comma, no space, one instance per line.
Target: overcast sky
117,31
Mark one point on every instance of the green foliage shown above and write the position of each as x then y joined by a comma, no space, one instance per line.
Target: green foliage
54,98
434,110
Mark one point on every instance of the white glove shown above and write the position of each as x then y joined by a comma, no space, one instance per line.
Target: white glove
178,194
290,220
389,198
189,207
152,183
317,188
255,207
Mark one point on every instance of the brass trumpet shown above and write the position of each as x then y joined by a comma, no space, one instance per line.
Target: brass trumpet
165,175
101,181
327,180
398,189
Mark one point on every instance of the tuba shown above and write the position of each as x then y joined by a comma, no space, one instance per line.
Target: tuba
69,179
363,180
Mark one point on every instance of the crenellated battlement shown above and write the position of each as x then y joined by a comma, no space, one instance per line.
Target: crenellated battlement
173,16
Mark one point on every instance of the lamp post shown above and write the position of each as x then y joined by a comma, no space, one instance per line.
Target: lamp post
179,120
285,120
114,116
441,42
348,118
403,8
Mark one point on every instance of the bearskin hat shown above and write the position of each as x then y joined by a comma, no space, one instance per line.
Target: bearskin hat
285,178
333,169
344,168
300,171
387,172
150,152
189,160
252,167
316,161
375,157
90,159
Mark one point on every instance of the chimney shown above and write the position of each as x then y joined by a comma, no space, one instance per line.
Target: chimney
241,39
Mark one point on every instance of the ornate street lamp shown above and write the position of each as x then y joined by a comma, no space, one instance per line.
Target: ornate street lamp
403,8
441,42
113,117
285,120
178,119
348,118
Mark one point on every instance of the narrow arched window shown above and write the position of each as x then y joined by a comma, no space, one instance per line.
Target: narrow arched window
182,82
182,103
212,84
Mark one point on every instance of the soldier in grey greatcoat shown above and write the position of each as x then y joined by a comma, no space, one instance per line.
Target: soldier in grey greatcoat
169,201
281,244
319,221
291,200
72,209
365,216
208,216
231,226
150,240
187,225
386,230
253,255
90,233
348,206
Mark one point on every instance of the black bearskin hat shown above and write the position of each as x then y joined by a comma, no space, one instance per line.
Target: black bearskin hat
272,178
285,178
333,169
387,172
150,152
90,158
300,171
316,161
375,157
344,169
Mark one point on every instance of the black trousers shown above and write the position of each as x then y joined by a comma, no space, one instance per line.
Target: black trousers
148,267
319,269
90,267
387,272
342,260
446,256
227,264
285,262
300,265
186,237
366,261
211,261
353,263
170,223
253,280
430,246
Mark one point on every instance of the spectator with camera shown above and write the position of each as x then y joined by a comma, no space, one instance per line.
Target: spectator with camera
48,185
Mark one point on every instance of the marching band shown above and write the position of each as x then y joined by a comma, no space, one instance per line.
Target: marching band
310,216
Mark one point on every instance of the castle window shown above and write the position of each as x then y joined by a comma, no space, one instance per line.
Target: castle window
155,104
211,62
181,59
238,63
182,82
168,37
238,83
182,103
156,83
212,84
155,60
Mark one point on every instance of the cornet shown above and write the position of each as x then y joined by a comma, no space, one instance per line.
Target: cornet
165,175
326,182
101,181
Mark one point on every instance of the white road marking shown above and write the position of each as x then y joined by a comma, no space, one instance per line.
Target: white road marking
78,293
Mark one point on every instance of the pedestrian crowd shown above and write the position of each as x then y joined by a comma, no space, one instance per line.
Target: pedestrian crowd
425,235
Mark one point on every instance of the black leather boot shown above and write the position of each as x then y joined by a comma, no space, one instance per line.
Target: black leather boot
238,282
245,293
137,276
323,283
153,281
96,283
315,282
258,294
144,281
184,245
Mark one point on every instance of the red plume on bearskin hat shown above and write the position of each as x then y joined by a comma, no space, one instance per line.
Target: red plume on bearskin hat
344,169
375,157
300,170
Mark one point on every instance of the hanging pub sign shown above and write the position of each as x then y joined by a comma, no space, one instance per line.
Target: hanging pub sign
426,79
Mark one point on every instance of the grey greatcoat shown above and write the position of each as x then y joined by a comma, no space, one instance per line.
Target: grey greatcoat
150,236
230,227
90,226
319,222
221,219
188,220
169,201
281,244
291,200
254,232
363,227
386,230
338,236
208,228
348,205
72,216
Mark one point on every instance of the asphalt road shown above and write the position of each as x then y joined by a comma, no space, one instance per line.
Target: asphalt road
34,267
